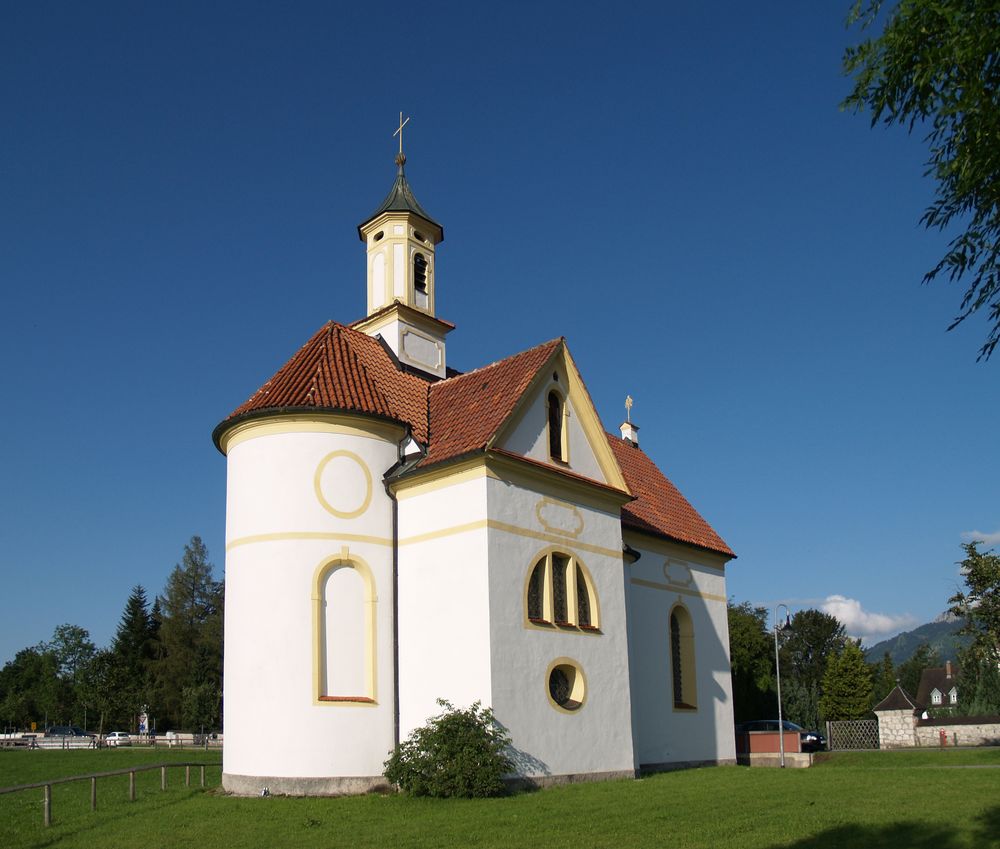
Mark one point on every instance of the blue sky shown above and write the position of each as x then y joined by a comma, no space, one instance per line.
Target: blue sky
670,186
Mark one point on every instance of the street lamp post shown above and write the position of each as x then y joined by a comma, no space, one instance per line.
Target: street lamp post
777,670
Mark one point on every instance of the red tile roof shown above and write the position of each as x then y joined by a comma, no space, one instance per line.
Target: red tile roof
342,369
467,410
659,508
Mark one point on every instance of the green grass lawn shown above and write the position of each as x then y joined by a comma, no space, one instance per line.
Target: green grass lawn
905,800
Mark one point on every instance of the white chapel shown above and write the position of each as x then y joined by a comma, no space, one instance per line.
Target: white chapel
398,531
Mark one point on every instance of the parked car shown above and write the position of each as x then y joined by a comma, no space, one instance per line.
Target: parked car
810,741
118,738
66,731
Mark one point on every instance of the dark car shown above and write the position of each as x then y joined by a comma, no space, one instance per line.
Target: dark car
811,741
66,731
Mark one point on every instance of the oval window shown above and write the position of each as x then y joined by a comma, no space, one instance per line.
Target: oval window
567,688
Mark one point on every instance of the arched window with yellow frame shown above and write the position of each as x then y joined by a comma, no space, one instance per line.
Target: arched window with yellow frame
682,662
560,592
556,422
344,636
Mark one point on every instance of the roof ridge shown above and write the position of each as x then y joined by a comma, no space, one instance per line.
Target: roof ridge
450,381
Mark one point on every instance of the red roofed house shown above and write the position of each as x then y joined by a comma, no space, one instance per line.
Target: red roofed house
398,532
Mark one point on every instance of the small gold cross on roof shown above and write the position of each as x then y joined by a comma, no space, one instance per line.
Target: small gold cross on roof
628,407
399,131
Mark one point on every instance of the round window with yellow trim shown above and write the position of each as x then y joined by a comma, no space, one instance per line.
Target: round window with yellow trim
567,686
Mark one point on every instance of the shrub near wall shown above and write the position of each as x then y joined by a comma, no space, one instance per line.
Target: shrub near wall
458,753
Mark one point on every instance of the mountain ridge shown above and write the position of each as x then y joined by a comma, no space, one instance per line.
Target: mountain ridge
939,634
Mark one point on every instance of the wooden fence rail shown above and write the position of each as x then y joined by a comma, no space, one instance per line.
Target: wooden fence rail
46,786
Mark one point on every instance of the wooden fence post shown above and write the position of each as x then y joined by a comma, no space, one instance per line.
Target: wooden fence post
163,778
131,785
47,806
187,775
202,775
93,794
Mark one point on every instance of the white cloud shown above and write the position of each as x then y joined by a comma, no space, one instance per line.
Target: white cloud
858,622
987,539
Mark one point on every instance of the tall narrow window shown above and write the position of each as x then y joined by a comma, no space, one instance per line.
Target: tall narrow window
559,599
682,665
557,445
420,280
582,600
536,592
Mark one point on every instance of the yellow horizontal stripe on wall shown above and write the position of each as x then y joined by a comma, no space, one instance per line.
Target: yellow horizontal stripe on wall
673,588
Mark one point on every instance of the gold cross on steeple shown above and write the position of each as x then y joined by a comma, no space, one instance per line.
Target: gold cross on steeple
399,131
628,408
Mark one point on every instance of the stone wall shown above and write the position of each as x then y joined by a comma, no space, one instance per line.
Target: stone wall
895,729
958,732
899,729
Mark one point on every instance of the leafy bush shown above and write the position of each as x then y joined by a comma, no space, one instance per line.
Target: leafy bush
459,753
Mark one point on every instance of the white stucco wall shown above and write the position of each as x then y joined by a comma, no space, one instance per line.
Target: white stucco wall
530,436
278,533
597,737
444,600
666,575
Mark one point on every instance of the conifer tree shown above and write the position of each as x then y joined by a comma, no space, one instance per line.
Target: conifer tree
189,669
847,685
883,678
131,655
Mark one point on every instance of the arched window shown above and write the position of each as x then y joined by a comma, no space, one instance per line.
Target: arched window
344,632
557,428
559,592
582,599
536,593
420,279
682,665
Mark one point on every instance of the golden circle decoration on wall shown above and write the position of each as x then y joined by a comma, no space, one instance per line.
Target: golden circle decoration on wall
332,497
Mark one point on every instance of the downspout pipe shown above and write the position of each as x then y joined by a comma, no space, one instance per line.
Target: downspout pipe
386,483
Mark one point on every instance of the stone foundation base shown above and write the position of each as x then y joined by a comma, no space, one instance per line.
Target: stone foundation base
793,760
532,782
669,766
254,785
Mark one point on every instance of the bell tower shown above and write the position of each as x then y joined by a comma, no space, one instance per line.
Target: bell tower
400,239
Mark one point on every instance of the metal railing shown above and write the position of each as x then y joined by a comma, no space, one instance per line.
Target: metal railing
46,786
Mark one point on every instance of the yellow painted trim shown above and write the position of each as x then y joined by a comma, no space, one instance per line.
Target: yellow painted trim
525,532
344,560
579,690
562,505
689,666
317,481
442,477
673,588
477,525
541,480
311,423
305,535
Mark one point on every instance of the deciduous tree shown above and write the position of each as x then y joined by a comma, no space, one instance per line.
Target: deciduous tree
752,660
979,604
935,67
